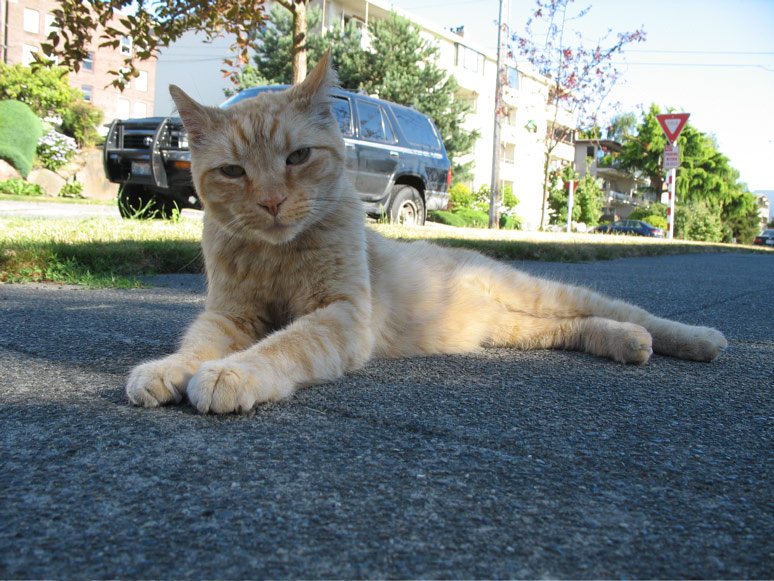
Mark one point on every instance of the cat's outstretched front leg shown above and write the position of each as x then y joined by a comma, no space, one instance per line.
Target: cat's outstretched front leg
163,381
316,348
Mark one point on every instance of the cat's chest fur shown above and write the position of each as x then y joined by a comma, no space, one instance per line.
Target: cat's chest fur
270,286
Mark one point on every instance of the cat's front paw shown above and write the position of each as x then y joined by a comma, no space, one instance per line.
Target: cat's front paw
223,387
158,382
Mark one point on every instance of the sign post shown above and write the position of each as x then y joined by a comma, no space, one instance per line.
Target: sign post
672,124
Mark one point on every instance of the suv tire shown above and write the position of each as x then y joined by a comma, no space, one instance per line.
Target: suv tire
407,206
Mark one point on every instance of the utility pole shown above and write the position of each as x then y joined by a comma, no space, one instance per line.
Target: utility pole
494,192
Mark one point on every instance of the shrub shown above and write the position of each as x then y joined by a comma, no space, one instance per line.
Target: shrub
461,196
72,189
17,187
510,222
19,133
654,220
46,91
80,122
55,150
473,218
447,218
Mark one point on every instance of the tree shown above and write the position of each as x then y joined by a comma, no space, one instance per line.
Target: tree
299,37
588,198
46,92
579,78
557,195
400,66
712,204
644,151
150,25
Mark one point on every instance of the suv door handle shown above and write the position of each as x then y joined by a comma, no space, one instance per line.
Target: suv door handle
394,154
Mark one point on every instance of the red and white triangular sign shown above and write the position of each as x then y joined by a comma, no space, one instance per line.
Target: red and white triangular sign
672,124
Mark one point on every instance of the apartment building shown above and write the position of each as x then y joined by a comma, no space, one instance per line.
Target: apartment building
527,119
25,25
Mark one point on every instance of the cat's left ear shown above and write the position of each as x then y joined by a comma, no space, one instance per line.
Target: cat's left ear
196,118
318,83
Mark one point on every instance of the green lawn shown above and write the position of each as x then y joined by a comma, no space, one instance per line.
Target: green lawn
114,252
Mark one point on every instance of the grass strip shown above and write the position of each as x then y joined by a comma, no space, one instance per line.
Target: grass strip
100,252
97,252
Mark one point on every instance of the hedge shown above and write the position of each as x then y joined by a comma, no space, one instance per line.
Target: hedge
20,130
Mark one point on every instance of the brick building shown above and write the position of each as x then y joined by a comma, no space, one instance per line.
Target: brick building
24,26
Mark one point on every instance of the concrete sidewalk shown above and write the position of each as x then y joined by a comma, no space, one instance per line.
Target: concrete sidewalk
498,464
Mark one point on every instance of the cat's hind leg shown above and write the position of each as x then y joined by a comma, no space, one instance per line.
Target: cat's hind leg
543,313
163,381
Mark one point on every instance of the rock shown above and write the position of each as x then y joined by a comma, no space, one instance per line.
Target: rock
46,179
92,175
7,171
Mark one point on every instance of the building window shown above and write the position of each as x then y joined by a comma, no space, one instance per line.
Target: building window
590,151
510,116
49,24
469,59
140,110
31,21
126,45
512,77
87,91
141,82
88,62
28,54
509,153
123,109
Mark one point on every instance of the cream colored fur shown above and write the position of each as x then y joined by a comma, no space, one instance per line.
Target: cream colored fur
300,292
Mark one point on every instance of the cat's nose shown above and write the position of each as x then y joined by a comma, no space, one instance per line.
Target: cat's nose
271,206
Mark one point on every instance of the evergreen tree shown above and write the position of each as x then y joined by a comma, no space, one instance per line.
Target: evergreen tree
588,197
400,67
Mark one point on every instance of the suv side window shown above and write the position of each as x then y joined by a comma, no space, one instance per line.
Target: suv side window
416,127
343,114
373,123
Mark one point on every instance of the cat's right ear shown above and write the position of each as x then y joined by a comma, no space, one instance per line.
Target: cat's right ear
196,118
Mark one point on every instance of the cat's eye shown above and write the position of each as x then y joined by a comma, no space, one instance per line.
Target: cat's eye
299,156
232,171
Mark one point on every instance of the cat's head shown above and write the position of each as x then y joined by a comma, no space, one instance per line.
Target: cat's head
271,166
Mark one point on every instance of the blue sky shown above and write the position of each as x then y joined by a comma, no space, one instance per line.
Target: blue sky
713,59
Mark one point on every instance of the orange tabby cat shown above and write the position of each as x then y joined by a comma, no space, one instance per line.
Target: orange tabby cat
300,292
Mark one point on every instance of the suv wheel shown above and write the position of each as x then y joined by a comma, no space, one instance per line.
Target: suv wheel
407,206
138,203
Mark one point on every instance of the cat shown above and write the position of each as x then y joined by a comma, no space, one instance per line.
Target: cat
301,292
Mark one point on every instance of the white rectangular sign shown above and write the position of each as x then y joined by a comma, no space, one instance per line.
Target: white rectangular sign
671,157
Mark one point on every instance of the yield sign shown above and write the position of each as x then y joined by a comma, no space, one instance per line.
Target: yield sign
672,124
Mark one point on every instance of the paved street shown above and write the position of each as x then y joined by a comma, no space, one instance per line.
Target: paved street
498,464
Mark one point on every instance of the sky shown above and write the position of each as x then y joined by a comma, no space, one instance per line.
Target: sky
713,59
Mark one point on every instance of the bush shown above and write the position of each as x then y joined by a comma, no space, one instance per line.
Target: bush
46,91
80,122
19,133
17,187
447,218
72,189
510,222
461,196
473,218
55,150
654,220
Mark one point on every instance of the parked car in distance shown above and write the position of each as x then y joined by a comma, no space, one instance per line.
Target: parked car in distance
765,238
396,159
631,227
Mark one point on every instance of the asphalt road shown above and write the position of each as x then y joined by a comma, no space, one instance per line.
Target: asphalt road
498,464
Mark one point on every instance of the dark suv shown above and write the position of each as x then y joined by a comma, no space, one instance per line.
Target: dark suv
395,159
